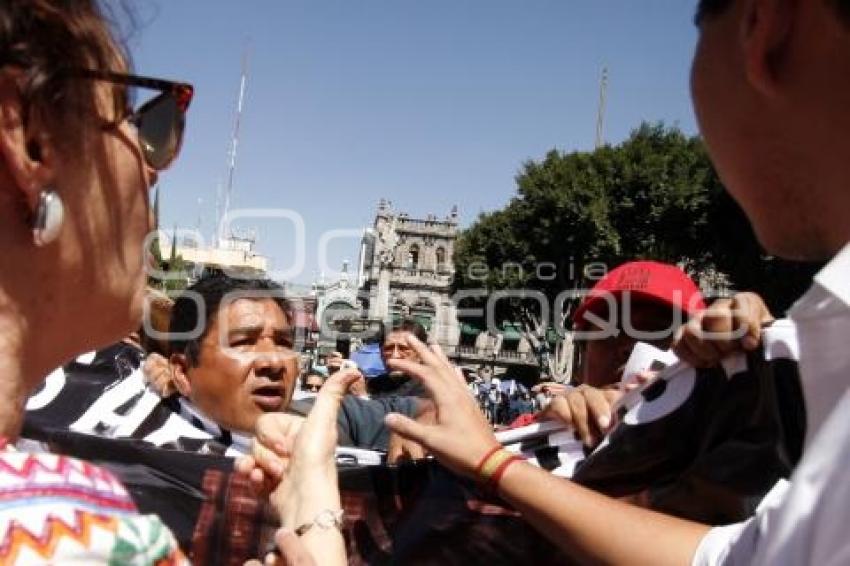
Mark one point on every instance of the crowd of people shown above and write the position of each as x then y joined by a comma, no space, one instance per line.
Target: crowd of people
76,162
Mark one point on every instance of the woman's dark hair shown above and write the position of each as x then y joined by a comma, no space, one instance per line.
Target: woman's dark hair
47,40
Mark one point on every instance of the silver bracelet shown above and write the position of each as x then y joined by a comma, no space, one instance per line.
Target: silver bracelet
325,519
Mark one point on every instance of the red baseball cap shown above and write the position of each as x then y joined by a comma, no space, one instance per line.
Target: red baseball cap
658,282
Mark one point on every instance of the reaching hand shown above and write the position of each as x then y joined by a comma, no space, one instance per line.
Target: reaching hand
309,483
273,444
460,435
587,410
726,326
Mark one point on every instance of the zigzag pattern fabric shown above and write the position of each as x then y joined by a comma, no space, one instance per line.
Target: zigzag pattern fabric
59,510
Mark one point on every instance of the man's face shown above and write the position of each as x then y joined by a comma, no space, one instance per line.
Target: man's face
246,365
605,357
395,347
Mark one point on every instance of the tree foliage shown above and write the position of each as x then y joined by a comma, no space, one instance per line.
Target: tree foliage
655,196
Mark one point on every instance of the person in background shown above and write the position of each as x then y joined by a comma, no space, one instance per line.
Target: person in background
650,302
76,163
394,346
312,382
334,362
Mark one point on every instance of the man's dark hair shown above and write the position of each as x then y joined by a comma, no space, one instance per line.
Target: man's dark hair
407,325
213,289
708,8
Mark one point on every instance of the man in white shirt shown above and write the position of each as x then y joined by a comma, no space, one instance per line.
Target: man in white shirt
771,85
771,89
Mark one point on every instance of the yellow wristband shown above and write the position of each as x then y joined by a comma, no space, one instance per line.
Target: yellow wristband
492,463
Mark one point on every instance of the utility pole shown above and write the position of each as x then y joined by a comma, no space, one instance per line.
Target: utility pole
603,97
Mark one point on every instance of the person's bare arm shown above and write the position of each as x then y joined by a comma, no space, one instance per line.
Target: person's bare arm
583,523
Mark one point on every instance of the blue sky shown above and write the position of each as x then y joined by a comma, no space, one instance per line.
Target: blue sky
429,103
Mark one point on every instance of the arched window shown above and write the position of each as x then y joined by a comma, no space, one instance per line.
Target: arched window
441,259
413,257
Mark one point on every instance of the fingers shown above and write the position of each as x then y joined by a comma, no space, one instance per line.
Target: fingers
750,315
559,410
330,396
403,450
406,428
276,432
693,345
726,326
426,354
587,410
584,429
598,408
394,448
429,377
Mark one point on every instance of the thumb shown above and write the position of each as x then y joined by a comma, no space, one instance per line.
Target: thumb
406,427
337,384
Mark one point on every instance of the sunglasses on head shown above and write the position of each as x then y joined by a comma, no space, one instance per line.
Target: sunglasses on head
160,121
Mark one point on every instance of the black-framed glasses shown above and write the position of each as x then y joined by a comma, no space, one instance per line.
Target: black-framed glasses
312,388
160,121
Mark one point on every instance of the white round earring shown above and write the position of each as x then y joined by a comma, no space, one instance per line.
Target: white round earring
49,215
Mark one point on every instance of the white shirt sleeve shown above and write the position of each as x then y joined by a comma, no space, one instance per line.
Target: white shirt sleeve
736,543
801,522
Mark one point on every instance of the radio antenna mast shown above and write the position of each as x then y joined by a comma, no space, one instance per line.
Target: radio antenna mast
234,144
603,97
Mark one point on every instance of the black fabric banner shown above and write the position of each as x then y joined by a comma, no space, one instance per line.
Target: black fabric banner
705,445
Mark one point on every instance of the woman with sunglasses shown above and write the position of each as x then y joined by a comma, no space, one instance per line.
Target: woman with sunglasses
76,163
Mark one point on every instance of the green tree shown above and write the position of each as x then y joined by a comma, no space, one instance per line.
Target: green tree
655,196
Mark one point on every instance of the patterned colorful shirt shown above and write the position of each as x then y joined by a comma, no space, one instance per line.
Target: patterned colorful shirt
60,510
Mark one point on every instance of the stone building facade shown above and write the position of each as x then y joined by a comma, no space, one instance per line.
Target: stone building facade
406,268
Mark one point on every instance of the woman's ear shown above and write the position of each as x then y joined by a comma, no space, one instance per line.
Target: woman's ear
26,154
180,374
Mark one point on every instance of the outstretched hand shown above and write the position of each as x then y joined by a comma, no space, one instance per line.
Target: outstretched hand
459,435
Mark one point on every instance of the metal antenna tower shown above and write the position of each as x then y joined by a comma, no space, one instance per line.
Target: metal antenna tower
603,97
234,144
